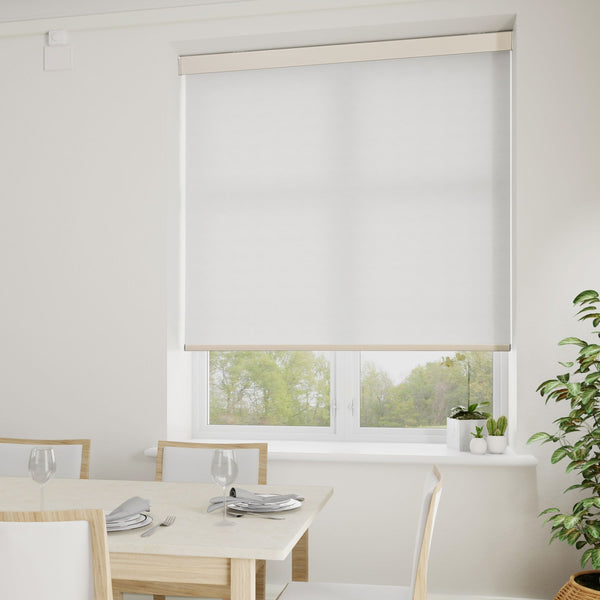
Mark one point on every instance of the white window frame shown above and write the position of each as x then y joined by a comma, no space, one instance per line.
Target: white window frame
344,407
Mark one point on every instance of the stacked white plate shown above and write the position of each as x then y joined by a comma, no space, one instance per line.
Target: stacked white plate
272,504
133,513
131,522
244,501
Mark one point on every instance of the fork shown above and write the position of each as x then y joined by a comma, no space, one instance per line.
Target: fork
169,520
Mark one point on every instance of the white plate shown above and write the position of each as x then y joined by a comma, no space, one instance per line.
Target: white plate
264,508
133,522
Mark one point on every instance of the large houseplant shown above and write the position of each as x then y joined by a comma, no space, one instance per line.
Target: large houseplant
578,437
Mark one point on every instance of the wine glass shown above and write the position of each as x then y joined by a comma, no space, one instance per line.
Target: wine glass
42,466
224,470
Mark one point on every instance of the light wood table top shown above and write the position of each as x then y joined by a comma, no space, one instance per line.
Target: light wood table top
195,533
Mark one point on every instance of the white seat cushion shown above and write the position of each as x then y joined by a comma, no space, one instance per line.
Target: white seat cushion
193,464
343,591
49,561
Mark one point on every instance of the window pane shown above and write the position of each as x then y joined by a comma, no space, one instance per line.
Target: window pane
269,388
418,389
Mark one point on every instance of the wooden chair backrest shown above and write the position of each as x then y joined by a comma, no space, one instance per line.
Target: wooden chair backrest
43,558
432,491
252,454
16,456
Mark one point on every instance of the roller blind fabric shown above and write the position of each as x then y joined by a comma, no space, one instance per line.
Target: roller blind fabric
364,204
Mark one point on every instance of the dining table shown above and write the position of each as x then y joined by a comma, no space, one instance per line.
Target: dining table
193,554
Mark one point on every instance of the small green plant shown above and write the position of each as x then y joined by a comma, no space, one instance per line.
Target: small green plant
478,432
497,427
470,412
578,436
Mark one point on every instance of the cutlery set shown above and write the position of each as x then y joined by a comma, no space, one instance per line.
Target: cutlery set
169,520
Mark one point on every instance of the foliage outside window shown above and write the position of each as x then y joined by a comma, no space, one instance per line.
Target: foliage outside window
302,391
269,388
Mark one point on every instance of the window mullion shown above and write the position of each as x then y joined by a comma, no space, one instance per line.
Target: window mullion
344,392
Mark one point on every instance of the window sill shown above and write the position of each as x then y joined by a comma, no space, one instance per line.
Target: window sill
377,452
393,453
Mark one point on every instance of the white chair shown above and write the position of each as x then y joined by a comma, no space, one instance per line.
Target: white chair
72,457
418,586
54,555
190,461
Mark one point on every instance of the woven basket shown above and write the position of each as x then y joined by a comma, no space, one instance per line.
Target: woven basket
574,591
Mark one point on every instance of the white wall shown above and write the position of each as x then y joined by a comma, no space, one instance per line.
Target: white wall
89,196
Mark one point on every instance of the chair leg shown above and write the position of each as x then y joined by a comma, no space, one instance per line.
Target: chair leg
261,579
117,594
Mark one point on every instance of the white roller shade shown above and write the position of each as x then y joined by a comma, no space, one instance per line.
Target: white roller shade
350,205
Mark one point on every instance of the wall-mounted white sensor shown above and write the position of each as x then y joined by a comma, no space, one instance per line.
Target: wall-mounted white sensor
57,37
58,54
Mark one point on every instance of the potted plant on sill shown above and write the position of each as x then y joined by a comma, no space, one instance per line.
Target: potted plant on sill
478,445
496,440
462,420
578,438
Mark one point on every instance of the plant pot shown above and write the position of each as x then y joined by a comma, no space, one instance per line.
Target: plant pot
458,432
478,445
496,444
572,590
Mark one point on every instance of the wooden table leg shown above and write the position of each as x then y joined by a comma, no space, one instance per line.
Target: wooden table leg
261,579
243,579
300,559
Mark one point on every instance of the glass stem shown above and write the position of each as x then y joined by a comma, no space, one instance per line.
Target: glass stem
42,496
224,503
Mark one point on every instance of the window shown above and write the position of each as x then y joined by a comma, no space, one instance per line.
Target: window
344,395
347,211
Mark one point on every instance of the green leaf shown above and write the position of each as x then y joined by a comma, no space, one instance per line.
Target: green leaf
590,350
568,365
573,536
553,537
575,486
592,377
596,558
589,395
549,386
559,454
586,309
548,510
574,465
572,340
589,463
586,557
540,436
571,521
586,296
593,531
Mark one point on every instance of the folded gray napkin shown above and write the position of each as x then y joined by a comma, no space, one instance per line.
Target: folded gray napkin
250,499
129,508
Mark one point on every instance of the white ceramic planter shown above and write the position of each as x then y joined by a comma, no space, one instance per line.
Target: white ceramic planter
478,445
496,444
458,433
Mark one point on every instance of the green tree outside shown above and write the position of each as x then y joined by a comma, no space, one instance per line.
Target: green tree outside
293,388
